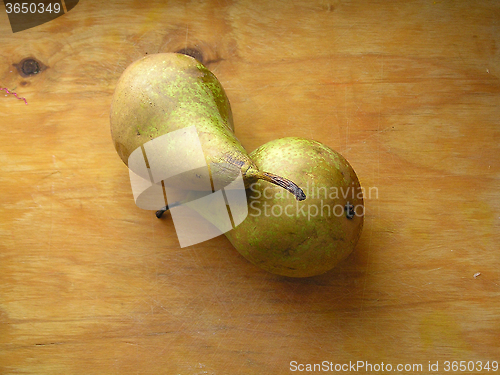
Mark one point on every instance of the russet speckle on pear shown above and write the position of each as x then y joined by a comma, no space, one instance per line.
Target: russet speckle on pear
165,92
306,238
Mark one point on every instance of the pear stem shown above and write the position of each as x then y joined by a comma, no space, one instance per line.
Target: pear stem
160,212
266,176
284,183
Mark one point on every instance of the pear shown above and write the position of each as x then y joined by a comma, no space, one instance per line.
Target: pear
307,238
171,95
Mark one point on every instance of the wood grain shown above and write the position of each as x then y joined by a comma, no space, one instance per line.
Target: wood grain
407,91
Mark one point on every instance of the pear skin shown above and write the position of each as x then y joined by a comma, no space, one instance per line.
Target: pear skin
168,92
306,238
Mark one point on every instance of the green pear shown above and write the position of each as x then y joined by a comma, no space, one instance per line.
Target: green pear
306,238
171,93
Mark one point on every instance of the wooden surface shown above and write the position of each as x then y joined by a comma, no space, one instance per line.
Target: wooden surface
407,91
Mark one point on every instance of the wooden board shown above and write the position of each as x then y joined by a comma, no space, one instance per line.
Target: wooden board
407,91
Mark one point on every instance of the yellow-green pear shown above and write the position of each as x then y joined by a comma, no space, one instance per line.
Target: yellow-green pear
174,95
306,238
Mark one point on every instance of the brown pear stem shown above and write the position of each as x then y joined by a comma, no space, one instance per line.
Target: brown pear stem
160,212
266,176
284,183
